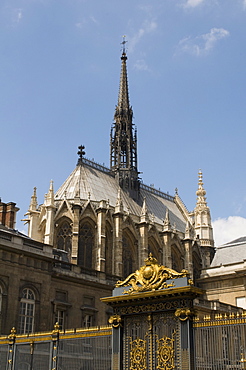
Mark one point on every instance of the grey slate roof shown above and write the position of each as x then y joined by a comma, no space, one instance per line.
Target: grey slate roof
93,181
229,253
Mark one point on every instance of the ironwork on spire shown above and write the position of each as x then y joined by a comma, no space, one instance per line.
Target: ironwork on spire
123,141
80,153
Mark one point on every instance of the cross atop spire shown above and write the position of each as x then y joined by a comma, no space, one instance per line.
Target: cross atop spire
124,45
80,153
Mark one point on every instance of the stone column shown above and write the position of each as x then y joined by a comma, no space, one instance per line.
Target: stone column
117,243
188,256
75,237
167,252
143,251
101,236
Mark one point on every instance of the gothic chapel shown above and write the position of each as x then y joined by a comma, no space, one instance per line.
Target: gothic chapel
106,219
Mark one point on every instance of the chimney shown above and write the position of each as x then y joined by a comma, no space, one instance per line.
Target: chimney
8,214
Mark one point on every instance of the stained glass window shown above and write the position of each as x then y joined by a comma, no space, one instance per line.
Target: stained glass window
86,243
64,236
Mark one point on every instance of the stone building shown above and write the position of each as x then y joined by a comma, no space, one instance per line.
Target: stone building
106,219
99,226
38,287
225,279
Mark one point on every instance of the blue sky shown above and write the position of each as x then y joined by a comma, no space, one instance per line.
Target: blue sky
59,77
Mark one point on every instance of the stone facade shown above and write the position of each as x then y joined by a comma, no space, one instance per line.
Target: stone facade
37,288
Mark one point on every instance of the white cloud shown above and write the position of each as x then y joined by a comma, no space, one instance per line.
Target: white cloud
141,65
16,16
147,27
228,229
192,3
203,44
86,21
244,4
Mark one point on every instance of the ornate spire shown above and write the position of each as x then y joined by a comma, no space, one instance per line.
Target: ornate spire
123,107
201,192
50,195
144,212
34,202
123,142
167,224
202,221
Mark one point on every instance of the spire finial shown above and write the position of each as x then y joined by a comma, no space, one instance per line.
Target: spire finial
201,192
123,43
34,202
80,153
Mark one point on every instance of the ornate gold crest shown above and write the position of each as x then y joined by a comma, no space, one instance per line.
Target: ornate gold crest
152,276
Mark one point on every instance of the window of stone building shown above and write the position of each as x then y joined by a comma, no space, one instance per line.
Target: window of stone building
61,308
64,236
87,321
86,243
88,312
108,250
60,318
127,257
177,260
27,311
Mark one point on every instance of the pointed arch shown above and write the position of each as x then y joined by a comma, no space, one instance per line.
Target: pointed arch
154,248
89,212
109,248
86,243
129,253
177,258
196,261
64,210
154,243
63,234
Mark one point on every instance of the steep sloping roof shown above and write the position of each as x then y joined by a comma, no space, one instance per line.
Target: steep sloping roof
92,181
229,253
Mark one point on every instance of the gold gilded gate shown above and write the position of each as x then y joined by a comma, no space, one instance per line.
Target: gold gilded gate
151,342
152,327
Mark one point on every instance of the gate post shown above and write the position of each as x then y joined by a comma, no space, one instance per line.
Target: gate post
116,323
152,321
55,344
11,349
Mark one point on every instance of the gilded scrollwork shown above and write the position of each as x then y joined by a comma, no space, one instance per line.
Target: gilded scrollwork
165,353
115,321
183,313
138,354
151,277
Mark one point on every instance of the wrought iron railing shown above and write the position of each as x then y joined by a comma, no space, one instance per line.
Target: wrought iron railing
68,349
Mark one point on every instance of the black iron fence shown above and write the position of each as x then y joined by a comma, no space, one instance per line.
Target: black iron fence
80,349
219,344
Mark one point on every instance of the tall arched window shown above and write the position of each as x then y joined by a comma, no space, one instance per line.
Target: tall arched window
108,251
177,259
64,236
27,311
128,259
86,243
